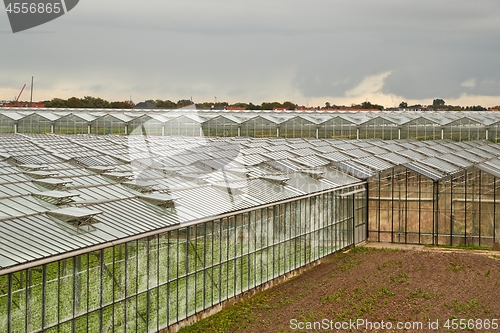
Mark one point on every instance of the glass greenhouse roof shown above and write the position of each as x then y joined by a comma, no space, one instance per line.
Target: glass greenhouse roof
443,118
62,193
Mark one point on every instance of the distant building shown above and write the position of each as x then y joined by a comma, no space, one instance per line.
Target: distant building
145,105
6,104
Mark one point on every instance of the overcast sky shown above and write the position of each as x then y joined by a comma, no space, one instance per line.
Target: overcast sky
308,52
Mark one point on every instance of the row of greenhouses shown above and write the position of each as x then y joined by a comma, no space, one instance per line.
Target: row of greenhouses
387,125
120,234
114,233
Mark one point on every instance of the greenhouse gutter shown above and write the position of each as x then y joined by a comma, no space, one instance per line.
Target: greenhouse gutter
66,255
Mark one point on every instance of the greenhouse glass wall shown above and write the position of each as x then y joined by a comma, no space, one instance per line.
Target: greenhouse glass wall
298,127
6,124
337,128
147,125
183,126
387,125
155,281
421,129
468,209
71,124
34,123
378,128
221,126
401,207
416,205
109,124
259,127
464,130
494,132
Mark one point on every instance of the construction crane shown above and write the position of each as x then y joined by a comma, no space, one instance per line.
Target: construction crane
17,99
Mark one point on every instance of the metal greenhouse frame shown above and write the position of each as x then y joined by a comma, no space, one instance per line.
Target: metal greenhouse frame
135,233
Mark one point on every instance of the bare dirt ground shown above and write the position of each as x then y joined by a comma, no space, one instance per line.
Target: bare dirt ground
426,290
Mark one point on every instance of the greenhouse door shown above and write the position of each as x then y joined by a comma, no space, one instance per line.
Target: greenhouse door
355,203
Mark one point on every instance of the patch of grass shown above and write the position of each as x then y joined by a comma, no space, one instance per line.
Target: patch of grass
234,317
463,247
361,249
464,307
347,263
384,292
419,293
455,266
384,265
387,249
401,277
331,298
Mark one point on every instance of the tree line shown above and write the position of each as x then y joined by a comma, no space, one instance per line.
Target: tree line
87,102
99,103
439,104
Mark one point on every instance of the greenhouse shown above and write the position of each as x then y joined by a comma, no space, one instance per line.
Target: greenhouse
110,124
421,128
386,125
298,127
117,233
337,128
224,126
152,124
184,125
73,124
98,237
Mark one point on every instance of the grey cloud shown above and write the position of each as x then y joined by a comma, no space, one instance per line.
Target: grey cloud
248,50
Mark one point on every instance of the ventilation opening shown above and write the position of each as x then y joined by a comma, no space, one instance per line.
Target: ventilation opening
281,180
101,168
119,176
52,183
56,197
316,174
40,174
32,167
75,216
159,199
143,186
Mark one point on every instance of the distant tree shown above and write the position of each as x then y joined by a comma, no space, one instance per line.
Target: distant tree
56,103
166,104
252,106
205,105
121,105
477,108
368,105
241,105
74,102
183,102
270,105
95,102
289,105
403,105
327,105
438,102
